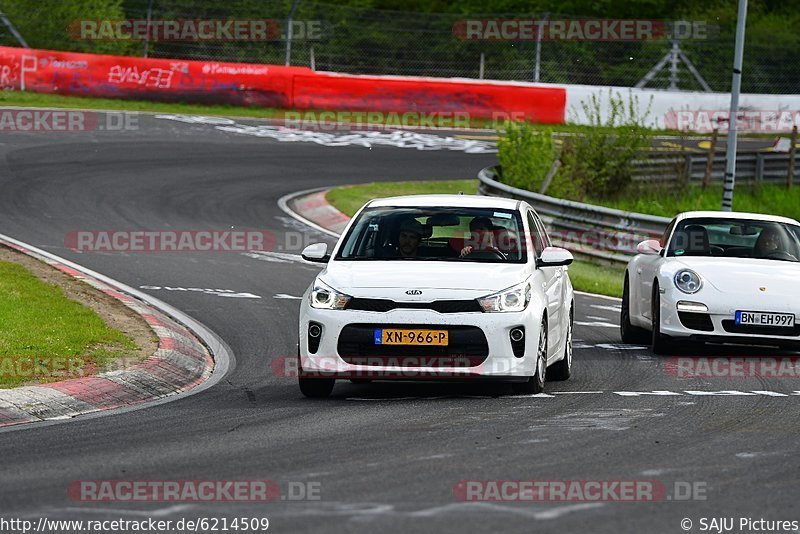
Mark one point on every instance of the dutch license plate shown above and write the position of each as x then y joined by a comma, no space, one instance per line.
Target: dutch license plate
765,318
393,336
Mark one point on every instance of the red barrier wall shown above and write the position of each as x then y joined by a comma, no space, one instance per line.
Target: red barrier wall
429,95
47,71
269,86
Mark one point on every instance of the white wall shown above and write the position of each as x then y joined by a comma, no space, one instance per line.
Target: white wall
763,113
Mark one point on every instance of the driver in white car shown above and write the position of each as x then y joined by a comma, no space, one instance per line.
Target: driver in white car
482,237
769,242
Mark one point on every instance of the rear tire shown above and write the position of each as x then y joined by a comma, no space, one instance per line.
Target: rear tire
562,369
629,333
535,384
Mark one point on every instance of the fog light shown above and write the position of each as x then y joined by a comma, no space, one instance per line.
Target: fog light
314,337
688,306
517,334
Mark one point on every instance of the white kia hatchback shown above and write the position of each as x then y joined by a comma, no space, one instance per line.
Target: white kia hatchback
438,287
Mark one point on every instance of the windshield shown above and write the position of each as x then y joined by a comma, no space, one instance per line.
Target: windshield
435,234
736,238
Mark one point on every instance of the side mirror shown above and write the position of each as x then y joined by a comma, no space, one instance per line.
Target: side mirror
651,247
555,257
317,252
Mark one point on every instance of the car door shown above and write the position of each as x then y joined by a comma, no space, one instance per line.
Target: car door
646,268
552,286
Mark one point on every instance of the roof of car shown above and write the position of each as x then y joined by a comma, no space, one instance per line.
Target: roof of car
456,201
736,215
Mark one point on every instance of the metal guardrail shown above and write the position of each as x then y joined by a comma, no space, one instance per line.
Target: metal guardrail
600,232
753,167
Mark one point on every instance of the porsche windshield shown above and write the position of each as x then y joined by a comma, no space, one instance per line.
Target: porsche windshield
436,234
736,238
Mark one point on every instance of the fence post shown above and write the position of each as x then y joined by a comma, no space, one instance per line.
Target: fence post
688,168
147,29
289,30
792,153
480,69
759,168
313,60
710,161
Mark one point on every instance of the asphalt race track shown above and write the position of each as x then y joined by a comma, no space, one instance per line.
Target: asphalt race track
386,457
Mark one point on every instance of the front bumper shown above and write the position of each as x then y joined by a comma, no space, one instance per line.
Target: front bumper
717,325
480,345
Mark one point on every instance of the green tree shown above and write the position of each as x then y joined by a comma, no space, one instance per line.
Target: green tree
47,24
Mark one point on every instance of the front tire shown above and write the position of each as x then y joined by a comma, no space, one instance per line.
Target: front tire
660,343
629,333
535,384
315,387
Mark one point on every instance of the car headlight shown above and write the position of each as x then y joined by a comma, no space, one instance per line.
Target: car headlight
513,299
325,297
688,281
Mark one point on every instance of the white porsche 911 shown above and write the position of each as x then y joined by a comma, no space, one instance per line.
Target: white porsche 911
717,277
442,287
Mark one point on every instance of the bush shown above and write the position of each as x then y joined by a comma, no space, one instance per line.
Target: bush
525,152
598,161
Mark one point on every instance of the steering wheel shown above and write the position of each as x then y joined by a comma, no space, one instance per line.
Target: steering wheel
780,255
488,254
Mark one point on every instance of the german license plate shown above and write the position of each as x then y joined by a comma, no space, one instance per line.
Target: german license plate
393,336
765,318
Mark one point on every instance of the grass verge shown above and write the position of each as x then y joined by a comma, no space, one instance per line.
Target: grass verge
349,199
668,201
585,276
47,336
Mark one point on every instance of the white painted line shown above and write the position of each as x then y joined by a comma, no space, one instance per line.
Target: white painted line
228,293
278,257
282,296
647,393
604,297
577,392
555,513
620,346
723,393
607,308
597,318
283,204
597,323
770,393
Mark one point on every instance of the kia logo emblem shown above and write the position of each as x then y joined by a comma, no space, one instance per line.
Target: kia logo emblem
413,292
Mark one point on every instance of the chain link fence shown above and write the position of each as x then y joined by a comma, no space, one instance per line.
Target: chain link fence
338,38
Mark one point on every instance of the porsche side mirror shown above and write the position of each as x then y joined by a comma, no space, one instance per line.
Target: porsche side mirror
651,247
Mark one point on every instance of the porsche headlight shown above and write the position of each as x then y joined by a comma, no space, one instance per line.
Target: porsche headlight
688,281
325,297
513,299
